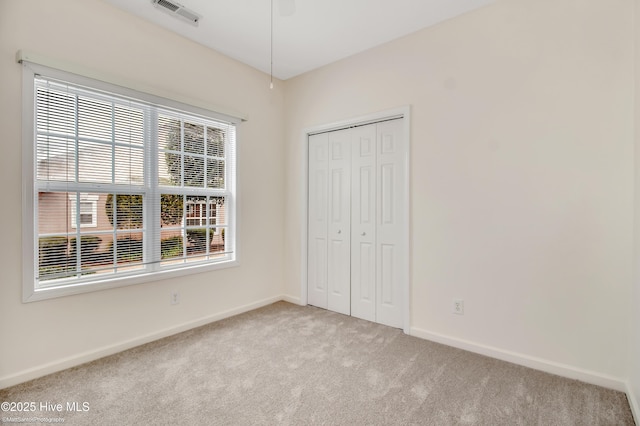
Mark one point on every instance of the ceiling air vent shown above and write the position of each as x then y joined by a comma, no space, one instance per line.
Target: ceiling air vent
177,10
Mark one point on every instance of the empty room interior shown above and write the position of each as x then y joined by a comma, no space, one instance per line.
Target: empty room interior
298,211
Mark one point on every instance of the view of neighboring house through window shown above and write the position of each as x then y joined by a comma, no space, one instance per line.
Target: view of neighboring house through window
151,187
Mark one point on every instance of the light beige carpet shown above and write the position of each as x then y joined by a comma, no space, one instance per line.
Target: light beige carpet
286,364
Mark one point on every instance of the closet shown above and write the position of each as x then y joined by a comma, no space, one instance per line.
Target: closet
357,242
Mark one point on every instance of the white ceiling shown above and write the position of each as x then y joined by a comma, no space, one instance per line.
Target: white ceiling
318,33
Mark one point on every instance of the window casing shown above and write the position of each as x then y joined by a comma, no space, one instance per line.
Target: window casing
143,173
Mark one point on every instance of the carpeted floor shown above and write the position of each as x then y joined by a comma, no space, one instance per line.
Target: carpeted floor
286,364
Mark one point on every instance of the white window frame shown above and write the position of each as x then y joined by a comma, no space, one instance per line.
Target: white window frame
32,291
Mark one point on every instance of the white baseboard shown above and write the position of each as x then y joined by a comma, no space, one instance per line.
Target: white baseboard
291,299
634,402
516,358
89,356
547,366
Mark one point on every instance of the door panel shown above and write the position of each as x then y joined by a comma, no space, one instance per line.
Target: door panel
366,194
317,221
338,195
390,235
363,223
365,290
387,264
339,227
339,264
386,194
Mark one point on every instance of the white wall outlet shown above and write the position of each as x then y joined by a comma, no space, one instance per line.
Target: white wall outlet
458,306
175,298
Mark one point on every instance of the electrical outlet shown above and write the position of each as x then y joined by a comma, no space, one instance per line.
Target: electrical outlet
175,298
458,306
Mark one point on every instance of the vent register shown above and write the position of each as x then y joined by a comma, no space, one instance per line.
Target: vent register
178,11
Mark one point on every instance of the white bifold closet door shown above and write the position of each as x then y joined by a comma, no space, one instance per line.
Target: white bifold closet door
318,228
357,240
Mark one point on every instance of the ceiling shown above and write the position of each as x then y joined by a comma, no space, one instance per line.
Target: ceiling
317,33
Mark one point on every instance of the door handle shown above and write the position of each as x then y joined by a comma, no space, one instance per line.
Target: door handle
364,233
339,231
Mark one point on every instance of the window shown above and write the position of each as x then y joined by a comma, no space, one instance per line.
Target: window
197,214
151,185
88,211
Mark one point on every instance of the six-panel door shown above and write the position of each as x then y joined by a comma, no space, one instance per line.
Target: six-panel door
317,267
339,277
391,244
363,222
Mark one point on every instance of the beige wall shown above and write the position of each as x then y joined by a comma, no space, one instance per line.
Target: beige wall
634,323
96,36
522,178
521,174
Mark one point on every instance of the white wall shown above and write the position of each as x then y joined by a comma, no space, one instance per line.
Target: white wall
42,336
522,174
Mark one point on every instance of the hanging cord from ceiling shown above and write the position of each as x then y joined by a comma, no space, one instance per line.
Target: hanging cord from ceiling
271,51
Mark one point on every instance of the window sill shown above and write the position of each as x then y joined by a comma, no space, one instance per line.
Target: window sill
45,293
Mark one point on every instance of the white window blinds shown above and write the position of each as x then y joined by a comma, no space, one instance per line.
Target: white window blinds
124,187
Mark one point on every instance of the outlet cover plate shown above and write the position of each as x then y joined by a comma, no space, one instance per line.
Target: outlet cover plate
458,306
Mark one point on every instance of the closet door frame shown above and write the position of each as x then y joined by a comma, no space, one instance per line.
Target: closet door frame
401,112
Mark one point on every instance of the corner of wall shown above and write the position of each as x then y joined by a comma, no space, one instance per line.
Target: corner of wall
634,402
